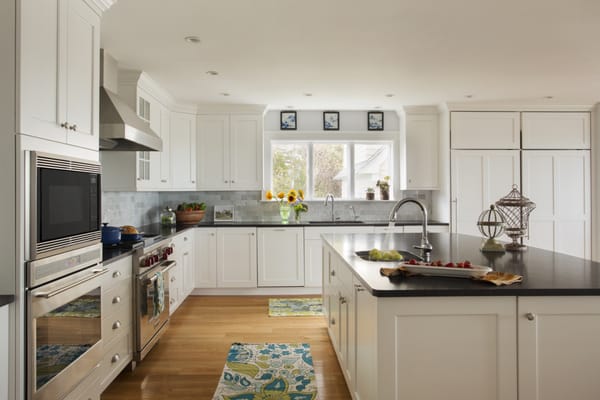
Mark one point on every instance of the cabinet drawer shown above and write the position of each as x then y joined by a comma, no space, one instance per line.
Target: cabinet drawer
119,270
117,355
116,297
485,130
116,323
556,130
88,388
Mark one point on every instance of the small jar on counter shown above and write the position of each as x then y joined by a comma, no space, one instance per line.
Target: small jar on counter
167,217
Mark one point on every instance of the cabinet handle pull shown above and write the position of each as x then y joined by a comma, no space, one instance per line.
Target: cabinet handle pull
115,358
116,325
333,272
116,274
73,127
530,316
332,321
359,288
193,181
64,125
116,300
342,300
185,238
232,181
226,181
163,180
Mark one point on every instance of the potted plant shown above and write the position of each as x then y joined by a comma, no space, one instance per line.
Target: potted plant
370,193
384,188
190,213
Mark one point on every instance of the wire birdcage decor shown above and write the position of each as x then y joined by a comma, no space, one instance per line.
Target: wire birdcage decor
515,209
491,225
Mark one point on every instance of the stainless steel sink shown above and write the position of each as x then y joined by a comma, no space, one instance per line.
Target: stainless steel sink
338,222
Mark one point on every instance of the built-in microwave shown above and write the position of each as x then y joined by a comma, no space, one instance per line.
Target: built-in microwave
64,204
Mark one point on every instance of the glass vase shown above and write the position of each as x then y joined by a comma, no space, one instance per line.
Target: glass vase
297,216
284,212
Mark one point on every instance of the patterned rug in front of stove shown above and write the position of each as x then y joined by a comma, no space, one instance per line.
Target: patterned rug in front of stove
268,371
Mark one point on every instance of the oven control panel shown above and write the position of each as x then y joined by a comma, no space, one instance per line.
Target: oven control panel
156,256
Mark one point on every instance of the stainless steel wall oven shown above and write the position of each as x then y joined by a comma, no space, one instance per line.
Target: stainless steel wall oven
64,204
64,322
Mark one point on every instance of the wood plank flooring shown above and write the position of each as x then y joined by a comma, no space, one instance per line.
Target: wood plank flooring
188,361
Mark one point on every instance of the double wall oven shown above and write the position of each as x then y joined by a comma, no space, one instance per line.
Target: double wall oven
64,274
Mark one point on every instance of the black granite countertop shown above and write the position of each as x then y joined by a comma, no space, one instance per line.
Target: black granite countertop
309,223
545,273
6,299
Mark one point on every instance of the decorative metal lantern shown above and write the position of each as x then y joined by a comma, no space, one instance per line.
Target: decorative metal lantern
491,225
515,209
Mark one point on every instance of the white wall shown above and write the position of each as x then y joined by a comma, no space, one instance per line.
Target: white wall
350,121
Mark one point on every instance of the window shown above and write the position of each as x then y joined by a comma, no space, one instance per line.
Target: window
344,168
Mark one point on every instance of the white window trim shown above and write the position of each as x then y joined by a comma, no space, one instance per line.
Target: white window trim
349,137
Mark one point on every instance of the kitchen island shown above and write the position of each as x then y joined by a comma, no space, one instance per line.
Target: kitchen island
449,338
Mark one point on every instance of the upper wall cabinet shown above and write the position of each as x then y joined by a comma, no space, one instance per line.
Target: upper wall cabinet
556,130
183,150
422,152
59,71
230,152
485,130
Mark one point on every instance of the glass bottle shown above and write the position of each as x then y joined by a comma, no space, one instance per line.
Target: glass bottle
167,217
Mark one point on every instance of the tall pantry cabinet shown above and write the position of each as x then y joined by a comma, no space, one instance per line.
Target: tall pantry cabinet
546,153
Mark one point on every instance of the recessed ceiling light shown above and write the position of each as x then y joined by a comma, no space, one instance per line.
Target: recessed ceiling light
308,94
192,39
225,94
468,96
389,95
548,97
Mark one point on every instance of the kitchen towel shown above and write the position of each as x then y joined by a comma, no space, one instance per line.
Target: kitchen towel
159,294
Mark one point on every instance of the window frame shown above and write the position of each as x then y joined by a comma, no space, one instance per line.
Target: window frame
348,138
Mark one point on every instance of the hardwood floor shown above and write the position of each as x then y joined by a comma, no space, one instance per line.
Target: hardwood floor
188,361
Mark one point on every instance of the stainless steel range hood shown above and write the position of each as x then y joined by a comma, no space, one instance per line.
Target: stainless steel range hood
120,127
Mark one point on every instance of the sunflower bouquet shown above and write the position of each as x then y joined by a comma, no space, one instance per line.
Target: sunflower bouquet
292,199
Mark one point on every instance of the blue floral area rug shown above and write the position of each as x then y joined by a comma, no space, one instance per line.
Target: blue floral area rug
296,307
268,372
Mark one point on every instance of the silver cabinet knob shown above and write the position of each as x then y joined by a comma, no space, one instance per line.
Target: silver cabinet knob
193,181
212,234
173,279
232,181
73,127
332,321
115,358
359,288
116,274
343,300
116,325
163,180
226,181
116,300
530,316
64,125
332,272
185,238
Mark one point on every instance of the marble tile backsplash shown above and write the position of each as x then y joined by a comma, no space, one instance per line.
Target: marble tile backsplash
142,208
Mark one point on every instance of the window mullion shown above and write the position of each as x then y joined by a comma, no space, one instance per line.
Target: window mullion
350,169
309,172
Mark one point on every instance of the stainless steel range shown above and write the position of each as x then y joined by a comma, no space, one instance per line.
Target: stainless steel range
151,265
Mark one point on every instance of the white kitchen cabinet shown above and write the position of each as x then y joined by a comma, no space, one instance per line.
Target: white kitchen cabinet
280,254
366,345
556,130
422,152
480,178
558,352
183,150
236,258
559,183
230,152
181,276
59,71
485,130
313,250
205,271
117,325
4,346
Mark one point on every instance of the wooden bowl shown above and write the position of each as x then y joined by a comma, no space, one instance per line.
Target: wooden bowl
189,217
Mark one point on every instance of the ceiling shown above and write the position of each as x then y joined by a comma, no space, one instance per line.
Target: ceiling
350,54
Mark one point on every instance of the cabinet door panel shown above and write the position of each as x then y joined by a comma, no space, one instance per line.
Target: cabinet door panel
313,256
165,154
280,257
205,274
559,356
236,257
213,152
183,142
246,152
485,130
556,130
422,152
38,69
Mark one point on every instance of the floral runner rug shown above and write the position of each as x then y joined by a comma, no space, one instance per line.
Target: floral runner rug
295,307
268,371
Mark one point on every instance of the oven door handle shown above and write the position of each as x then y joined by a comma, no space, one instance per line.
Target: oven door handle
169,264
96,272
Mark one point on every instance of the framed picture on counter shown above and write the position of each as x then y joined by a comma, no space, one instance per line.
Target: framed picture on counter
224,213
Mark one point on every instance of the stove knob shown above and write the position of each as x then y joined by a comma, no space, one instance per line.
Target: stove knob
170,249
165,256
147,262
155,258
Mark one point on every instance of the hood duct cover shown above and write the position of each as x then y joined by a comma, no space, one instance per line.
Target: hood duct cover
120,127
